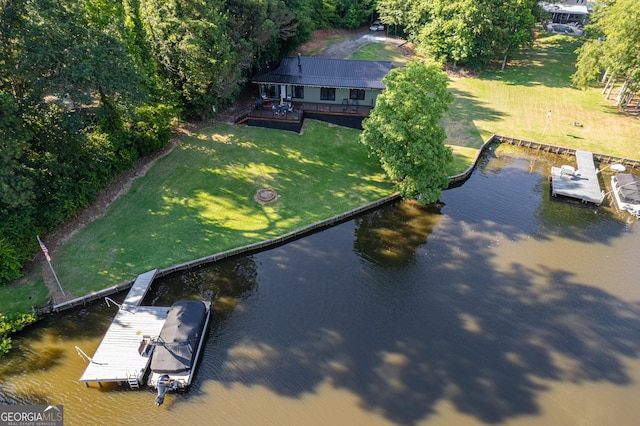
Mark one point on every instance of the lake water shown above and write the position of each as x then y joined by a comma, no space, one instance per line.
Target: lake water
499,306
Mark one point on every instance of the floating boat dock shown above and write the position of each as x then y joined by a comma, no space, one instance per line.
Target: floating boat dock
122,355
581,184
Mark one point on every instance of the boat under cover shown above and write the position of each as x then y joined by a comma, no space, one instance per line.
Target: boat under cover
626,191
177,348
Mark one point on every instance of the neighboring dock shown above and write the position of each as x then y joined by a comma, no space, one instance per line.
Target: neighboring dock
123,355
581,184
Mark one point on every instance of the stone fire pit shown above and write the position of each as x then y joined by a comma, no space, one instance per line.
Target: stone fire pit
265,195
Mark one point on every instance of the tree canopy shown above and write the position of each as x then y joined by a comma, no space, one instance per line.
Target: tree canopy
404,133
613,47
466,32
87,87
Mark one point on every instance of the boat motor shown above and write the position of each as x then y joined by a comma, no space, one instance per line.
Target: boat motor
164,384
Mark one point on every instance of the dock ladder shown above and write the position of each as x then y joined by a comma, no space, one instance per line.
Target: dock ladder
133,381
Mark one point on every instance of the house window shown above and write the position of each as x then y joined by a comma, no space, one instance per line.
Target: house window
269,91
297,92
356,94
328,93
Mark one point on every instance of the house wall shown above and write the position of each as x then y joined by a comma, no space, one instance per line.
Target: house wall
567,11
312,94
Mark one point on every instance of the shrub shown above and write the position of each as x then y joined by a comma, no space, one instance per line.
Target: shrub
10,324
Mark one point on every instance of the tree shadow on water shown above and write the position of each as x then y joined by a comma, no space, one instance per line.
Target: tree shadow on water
484,339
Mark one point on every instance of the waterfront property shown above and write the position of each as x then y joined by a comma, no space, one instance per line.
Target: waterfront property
532,260
338,91
581,184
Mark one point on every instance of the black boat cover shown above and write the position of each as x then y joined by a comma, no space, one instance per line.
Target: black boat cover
629,192
177,344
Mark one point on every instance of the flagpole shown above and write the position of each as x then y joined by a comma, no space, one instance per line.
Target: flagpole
46,255
547,123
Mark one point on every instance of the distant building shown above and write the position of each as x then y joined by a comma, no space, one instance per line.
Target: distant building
568,11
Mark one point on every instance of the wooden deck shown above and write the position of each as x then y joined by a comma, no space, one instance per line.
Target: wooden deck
299,109
347,115
583,185
119,358
349,110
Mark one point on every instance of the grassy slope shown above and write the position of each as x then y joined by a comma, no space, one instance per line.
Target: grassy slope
199,200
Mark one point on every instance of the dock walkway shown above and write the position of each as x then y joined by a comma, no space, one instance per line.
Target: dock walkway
139,289
582,184
122,355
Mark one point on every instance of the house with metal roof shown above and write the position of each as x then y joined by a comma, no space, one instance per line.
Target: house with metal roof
567,11
340,91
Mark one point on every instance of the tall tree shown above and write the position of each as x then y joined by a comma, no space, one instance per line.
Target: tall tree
190,43
515,25
354,13
453,30
404,133
76,106
613,46
468,32
393,13
16,185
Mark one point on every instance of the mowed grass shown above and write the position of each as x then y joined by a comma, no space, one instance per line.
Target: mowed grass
382,52
199,200
22,297
515,102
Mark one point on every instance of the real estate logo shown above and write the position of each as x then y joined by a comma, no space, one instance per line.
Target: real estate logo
31,415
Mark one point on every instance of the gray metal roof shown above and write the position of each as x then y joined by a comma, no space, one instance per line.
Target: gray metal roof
323,72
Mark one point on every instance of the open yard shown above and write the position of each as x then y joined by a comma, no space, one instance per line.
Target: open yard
515,102
199,200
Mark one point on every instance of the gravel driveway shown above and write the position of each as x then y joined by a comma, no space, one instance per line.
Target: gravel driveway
346,48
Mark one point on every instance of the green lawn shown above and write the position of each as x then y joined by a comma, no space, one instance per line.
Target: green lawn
515,102
199,200
381,52
20,298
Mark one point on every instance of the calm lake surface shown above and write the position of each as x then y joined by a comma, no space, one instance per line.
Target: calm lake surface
501,306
